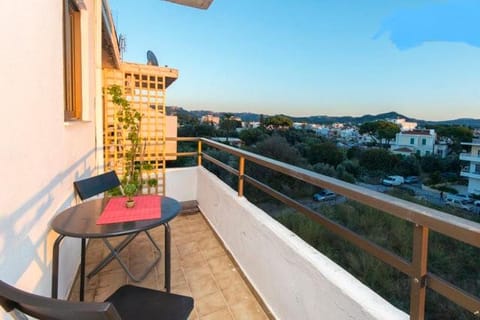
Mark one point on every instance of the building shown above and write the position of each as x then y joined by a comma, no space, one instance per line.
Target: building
63,61
421,142
472,170
210,119
405,125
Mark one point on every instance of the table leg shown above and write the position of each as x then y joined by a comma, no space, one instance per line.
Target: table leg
167,256
56,251
82,270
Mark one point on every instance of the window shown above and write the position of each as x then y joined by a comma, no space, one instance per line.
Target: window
424,141
72,61
412,140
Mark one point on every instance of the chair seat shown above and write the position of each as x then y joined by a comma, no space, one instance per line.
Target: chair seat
139,303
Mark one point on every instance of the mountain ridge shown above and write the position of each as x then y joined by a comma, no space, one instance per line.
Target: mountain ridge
324,119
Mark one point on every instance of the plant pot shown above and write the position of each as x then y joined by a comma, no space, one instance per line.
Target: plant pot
130,203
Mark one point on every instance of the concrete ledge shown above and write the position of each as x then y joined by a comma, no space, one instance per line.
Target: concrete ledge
292,278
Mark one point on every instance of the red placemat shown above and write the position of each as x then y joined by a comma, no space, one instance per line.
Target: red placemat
146,207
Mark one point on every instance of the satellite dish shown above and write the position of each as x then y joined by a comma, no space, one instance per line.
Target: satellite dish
151,59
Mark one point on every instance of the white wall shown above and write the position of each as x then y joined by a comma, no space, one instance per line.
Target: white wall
182,183
41,155
294,279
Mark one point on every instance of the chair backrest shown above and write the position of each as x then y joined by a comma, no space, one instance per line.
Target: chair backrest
41,308
92,186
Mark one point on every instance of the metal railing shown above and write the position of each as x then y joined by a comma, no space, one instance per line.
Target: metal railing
424,219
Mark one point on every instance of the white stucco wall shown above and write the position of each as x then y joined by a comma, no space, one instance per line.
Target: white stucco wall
294,279
182,183
41,155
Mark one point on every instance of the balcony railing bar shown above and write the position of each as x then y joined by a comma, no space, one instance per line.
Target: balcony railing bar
220,164
455,294
447,224
380,253
422,217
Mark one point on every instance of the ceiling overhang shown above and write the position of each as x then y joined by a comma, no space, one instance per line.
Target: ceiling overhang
200,4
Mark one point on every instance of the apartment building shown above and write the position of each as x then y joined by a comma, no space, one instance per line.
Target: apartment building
472,169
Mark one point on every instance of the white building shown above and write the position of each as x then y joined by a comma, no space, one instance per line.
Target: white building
421,142
405,125
472,171
210,119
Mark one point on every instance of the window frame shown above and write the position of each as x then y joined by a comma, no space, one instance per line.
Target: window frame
72,61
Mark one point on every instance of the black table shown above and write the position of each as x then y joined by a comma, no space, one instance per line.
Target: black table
80,222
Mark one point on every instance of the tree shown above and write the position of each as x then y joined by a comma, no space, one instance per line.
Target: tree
252,136
380,129
376,159
278,122
229,123
325,152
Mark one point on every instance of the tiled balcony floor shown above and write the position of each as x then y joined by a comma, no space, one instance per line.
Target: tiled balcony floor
201,268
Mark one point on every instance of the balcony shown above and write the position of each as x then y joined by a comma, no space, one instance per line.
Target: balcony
469,157
201,268
231,244
470,174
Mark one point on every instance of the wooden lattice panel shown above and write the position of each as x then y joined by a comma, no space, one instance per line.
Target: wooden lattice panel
144,86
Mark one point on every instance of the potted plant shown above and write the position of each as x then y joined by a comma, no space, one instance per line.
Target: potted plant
130,190
129,120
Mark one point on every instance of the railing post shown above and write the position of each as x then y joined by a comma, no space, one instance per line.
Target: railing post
241,171
419,273
199,157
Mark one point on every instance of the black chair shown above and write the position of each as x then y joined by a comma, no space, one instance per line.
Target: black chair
90,187
128,302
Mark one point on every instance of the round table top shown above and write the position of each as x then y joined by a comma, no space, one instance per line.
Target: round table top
80,221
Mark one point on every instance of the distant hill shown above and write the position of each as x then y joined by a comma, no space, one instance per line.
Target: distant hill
324,119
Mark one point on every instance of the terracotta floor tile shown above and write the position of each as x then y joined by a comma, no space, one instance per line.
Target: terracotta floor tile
223,314
187,248
213,252
203,286
248,310
196,271
220,264
193,259
210,303
228,278
237,293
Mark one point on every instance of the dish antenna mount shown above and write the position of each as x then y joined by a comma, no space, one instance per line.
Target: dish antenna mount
151,58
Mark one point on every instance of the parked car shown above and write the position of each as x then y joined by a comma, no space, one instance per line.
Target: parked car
466,197
459,203
324,195
393,181
412,179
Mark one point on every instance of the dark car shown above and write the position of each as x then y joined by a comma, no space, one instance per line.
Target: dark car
412,179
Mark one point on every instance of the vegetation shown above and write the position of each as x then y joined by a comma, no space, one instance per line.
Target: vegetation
278,122
130,122
449,259
380,129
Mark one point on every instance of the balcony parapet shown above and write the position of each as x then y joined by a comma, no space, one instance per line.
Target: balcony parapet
424,219
465,156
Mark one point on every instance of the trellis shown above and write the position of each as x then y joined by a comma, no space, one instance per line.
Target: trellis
144,86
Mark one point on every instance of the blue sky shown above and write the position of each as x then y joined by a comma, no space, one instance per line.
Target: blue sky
314,57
